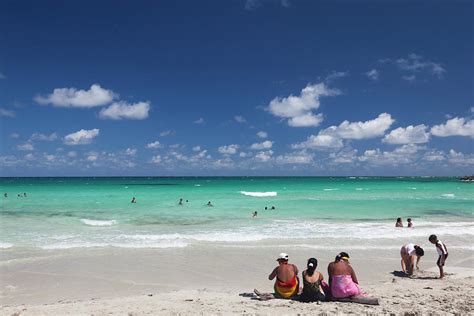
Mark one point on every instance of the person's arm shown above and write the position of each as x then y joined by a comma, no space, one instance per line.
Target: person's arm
353,276
273,274
330,273
296,270
418,258
321,276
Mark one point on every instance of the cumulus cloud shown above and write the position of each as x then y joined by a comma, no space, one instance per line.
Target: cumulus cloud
294,158
71,97
123,110
130,151
263,145
92,156
228,150
199,121
417,63
373,74
154,145
336,75
458,126
6,113
26,147
262,134
408,135
320,141
361,130
156,159
240,119
81,137
44,137
401,155
264,156
459,158
299,109
72,154
196,148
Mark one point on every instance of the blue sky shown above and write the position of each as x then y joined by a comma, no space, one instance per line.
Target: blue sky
236,88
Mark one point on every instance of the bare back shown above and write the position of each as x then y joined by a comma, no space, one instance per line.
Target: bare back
341,268
284,272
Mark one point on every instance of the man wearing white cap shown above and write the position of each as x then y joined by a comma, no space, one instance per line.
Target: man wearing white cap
286,283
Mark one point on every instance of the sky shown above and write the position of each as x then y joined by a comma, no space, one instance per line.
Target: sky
236,87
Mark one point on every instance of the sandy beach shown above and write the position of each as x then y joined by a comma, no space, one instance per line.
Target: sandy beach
216,280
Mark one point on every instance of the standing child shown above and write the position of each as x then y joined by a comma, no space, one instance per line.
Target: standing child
442,252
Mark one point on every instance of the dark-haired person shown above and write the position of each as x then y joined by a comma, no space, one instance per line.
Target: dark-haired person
410,253
342,278
409,223
286,283
442,252
312,290
399,222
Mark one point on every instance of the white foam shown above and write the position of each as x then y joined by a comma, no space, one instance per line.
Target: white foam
60,246
258,194
197,185
5,245
448,195
92,222
330,189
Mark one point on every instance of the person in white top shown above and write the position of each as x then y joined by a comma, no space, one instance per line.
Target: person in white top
410,253
442,252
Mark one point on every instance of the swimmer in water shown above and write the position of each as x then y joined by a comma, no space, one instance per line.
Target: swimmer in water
209,204
410,223
24,194
399,222
273,208
266,208
254,214
180,201
134,200
5,194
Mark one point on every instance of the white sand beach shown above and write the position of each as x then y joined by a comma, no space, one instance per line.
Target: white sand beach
216,280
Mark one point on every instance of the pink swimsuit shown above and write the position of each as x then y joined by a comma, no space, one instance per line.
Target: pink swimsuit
343,286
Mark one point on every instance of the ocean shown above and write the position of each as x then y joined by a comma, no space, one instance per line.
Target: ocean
312,212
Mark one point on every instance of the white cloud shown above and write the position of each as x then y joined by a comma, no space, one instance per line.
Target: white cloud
416,63
262,134
14,135
361,130
408,135
71,97
44,137
319,142
154,145
130,151
459,158
123,110
458,126
294,158
199,121
401,155
434,156
264,156
196,148
92,156
26,147
228,150
299,109
344,157
263,145
81,137
336,75
240,119
156,159
72,154
6,113
409,78
373,74
167,133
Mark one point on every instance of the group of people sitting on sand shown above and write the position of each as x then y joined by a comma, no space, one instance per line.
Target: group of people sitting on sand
342,280
343,283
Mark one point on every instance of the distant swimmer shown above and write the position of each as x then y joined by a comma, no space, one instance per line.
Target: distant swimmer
180,201
187,201
134,200
410,223
24,194
5,194
273,208
209,203
399,222
254,214
266,208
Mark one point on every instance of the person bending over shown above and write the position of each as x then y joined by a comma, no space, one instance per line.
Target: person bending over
410,254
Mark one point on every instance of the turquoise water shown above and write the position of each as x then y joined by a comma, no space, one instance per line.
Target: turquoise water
63,213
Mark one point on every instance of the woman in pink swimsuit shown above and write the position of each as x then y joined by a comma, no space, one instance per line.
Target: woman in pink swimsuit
342,278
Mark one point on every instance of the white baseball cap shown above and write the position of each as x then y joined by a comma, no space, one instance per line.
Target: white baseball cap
282,256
